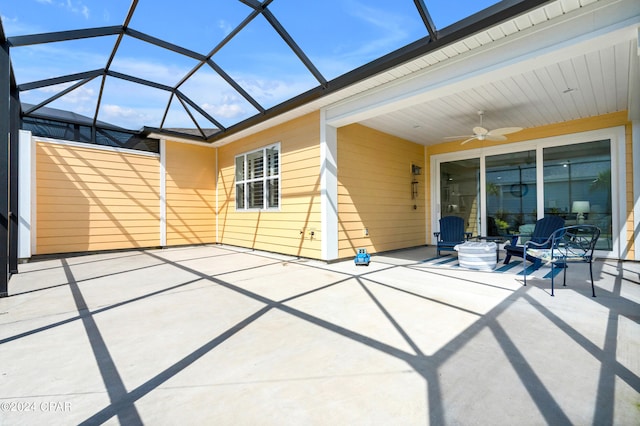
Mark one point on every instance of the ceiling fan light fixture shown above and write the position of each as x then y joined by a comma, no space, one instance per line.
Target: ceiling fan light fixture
481,134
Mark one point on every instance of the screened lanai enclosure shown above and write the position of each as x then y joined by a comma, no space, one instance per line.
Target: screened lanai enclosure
131,74
205,69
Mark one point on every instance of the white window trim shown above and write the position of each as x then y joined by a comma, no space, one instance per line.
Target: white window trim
618,176
264,180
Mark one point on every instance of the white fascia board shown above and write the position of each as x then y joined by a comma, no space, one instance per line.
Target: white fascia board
170,138
590,28
95,146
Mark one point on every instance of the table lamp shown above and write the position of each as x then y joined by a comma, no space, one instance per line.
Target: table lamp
580,207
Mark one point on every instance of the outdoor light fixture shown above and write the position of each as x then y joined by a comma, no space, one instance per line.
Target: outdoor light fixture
580,207
414,189
415,171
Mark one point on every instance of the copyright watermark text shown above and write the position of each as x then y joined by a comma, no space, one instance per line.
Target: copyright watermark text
31,406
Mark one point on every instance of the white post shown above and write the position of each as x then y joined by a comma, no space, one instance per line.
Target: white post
636,187
328,188
163,192
26,194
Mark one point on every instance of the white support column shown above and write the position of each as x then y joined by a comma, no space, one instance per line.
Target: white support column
217,201
636,187
634,117
540,178
428,211
26,195
328,188
163,192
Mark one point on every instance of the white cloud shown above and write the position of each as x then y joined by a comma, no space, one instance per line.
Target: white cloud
75,7
116,111
216,97
227,109
273,91
382,30
78,7
13,26
7,21
81,100
81,96
128,117
161,72
225,27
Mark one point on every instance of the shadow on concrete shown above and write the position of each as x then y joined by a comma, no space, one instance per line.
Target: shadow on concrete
122,402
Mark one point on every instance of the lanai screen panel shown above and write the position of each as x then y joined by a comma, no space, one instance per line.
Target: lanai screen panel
269,54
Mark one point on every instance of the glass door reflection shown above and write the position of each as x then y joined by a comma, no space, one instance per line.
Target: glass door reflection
460,192
577,186
511,193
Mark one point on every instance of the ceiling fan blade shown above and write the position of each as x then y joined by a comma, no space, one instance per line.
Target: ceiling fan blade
480,130
504,131
468,140
459,137
491,137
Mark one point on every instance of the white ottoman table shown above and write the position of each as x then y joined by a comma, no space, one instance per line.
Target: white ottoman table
477,255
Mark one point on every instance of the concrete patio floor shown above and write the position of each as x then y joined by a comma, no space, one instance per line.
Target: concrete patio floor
221,335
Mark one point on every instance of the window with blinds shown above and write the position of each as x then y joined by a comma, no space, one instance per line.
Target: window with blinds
258,179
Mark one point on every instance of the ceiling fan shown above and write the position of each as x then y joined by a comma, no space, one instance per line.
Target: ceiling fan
482,134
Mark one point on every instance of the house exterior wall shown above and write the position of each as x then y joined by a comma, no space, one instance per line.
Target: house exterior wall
90,198
288,229
374,192
560,129
190,194
95,199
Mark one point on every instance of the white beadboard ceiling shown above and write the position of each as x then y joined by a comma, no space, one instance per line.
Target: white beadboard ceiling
590,76
568,60
583,86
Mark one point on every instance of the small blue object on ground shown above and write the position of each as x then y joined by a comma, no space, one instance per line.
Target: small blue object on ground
362,257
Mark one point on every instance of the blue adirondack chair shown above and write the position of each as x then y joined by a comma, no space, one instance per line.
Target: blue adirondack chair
451,233
543,229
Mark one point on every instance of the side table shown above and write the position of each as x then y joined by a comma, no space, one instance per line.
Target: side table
477,255
498,240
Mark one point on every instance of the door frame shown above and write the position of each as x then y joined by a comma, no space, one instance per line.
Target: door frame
616,135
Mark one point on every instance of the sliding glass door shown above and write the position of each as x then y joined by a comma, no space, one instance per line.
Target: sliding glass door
460,192
501,194
577,186
511,192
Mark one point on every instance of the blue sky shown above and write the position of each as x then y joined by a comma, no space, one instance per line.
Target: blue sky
337,35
